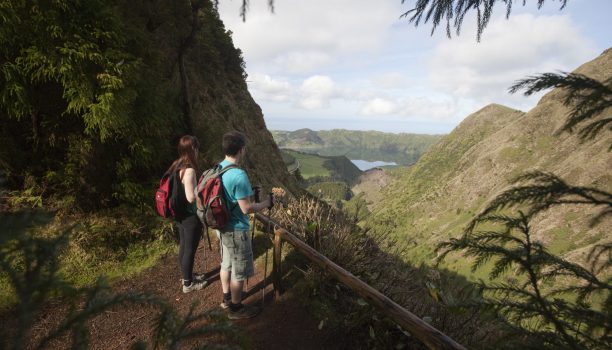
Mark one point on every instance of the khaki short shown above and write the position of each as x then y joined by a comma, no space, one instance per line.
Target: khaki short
236,253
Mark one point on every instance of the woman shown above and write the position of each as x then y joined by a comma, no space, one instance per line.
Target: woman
189,225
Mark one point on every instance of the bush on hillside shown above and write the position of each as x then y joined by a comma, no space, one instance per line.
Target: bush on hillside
376,262
356,208
331,192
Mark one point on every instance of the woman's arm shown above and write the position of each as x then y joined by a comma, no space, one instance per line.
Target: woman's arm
190,183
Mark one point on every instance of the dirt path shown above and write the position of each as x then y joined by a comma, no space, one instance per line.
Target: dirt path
283,324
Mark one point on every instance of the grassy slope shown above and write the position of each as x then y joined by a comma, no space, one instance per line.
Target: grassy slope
311,165
434,199
116,244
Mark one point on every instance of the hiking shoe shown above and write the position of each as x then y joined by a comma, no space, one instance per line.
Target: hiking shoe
194,286
199,277
246,311
225,304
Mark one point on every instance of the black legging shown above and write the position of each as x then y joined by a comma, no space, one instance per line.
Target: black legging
190,230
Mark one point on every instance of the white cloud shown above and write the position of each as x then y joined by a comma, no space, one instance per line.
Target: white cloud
316,92
264,87
297,62
391,80
413,107
379,106
429,108
303,35
510,50
355,60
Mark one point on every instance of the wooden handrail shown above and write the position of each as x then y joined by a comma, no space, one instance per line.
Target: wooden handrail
426,333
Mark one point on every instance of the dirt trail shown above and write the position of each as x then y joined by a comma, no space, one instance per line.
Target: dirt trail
283,324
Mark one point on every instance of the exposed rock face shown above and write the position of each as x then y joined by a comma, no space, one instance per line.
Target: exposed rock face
219,103
264,163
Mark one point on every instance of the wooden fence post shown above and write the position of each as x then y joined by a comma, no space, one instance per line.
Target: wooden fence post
430,336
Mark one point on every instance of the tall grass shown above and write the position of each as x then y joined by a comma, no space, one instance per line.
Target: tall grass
428,293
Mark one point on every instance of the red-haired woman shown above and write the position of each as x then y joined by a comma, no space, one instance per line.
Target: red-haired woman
189,225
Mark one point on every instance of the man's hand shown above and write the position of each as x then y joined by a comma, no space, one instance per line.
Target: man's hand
270,200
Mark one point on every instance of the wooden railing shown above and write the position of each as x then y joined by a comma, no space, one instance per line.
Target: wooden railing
430,336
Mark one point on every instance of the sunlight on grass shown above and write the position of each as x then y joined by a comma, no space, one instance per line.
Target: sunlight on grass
139,257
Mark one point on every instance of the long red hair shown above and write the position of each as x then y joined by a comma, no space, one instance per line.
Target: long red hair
187,147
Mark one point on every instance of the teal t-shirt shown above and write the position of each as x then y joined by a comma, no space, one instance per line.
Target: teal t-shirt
237,186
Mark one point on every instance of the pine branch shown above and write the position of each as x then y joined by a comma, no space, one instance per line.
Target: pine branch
587,97
244,8
453,12
595,254
271,5
511,246
542,191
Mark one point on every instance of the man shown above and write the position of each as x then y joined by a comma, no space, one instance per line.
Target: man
236,249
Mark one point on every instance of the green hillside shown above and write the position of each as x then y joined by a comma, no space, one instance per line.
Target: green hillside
315,168
404,149
434,199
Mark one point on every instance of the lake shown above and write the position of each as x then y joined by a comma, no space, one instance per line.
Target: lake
364,165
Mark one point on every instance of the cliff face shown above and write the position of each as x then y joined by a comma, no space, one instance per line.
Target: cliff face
222,108
219,101
92,110
435,199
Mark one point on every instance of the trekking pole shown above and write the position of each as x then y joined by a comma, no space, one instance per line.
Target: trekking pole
256,190
208,238
205,232
263,290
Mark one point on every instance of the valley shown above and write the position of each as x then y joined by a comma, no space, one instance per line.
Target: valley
327,172
402,149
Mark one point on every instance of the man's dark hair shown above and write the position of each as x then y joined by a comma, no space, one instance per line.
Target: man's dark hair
233,141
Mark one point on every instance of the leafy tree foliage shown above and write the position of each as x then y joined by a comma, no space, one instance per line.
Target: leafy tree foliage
93,92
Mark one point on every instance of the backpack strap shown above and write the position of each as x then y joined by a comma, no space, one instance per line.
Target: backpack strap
229,167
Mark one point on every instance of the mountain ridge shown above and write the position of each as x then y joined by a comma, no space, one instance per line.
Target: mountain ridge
403,148
433,200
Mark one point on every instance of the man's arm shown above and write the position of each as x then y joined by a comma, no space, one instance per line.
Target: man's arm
248,206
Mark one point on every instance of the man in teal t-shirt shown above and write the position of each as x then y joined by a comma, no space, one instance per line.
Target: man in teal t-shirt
236,249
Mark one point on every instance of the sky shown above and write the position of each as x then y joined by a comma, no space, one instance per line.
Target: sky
355,64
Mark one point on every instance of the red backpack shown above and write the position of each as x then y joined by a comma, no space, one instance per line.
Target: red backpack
210,198
167,198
